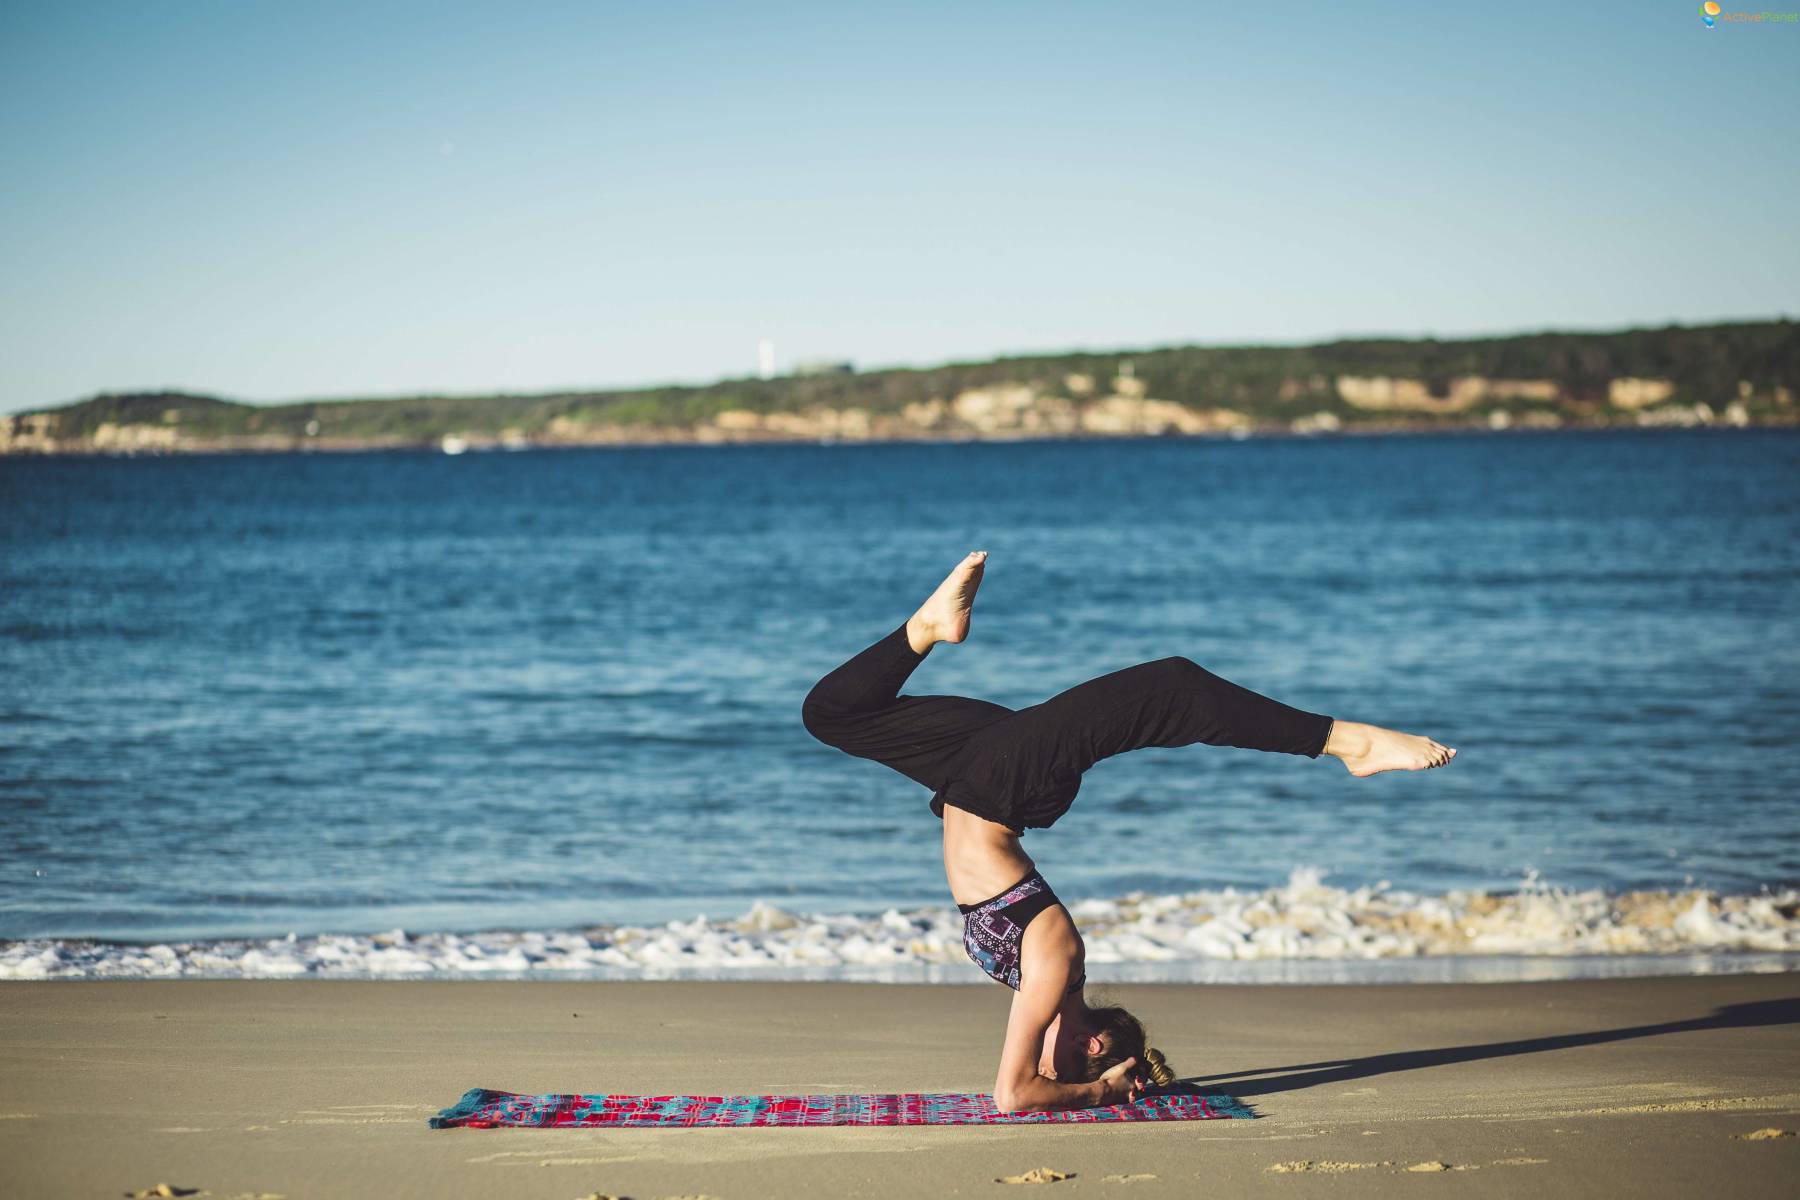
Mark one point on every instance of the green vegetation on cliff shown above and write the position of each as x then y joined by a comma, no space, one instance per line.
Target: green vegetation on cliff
1743,373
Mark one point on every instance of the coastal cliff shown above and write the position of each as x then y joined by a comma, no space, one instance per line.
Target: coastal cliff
1737,374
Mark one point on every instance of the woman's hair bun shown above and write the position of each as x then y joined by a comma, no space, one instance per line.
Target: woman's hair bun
1158,1066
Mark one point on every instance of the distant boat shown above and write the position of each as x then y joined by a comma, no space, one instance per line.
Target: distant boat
453,444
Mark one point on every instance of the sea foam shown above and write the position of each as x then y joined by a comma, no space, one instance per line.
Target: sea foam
1136,937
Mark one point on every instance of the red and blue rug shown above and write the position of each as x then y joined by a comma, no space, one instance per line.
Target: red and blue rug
484,1108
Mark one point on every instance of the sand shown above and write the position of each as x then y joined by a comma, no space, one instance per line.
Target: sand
1646,1087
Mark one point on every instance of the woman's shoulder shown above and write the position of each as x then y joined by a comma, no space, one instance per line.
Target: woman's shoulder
1050,941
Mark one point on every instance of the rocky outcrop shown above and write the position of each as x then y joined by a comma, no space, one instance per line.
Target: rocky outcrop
1125,415
1319,422
1532,381
28,433
1011,410
1382,393
135,439
1638,393
1689,415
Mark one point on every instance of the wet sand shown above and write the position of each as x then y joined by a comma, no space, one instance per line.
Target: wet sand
1647,1087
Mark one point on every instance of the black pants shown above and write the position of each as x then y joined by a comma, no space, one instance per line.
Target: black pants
1022,768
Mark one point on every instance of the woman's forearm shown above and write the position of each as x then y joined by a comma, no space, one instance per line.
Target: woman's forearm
1040,1093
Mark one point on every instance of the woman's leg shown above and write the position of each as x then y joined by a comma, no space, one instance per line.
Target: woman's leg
1035,758
858,708
1169,702
1177,702
1025,770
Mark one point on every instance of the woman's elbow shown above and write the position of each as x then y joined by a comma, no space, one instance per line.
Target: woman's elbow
1013,1098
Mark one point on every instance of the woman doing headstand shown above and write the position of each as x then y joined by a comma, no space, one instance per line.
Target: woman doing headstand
995,772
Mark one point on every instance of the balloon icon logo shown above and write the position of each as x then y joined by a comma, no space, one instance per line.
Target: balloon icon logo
1709,12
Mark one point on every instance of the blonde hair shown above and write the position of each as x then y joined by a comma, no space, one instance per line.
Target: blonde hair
1157,1067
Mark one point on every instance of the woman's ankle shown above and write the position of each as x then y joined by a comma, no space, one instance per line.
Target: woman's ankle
1347,740
919,636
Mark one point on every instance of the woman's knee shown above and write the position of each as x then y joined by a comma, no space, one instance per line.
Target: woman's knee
819,715
1181,669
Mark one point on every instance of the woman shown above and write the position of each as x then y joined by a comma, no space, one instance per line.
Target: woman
995,772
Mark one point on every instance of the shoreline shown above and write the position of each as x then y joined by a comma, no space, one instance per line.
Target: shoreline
687,439
1305,931
1733,373
1651,1086
1460,970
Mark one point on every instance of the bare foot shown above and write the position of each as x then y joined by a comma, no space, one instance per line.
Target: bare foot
1370,749
944,617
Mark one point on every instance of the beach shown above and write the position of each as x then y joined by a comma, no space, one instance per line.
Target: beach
1652,1087
549,563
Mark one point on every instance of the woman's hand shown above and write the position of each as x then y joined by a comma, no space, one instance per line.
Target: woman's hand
1118,1085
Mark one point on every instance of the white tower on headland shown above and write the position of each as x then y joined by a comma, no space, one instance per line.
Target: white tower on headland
765,356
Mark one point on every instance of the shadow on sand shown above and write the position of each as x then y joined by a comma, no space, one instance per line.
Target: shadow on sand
1269,1080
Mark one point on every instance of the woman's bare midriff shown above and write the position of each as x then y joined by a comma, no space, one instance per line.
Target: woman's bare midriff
982,858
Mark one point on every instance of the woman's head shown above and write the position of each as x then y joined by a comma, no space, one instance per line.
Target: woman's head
1121,1036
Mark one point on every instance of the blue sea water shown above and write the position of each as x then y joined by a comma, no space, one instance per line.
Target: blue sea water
248,695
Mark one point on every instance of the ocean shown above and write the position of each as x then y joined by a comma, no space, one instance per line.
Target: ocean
538,713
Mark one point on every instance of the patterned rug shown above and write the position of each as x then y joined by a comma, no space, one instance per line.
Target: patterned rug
484,1108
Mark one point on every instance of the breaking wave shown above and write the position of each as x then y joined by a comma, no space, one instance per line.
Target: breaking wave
1225,935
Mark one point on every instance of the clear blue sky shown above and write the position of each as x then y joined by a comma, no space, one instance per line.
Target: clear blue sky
278,200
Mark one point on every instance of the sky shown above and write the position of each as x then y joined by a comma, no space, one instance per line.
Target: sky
278,201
